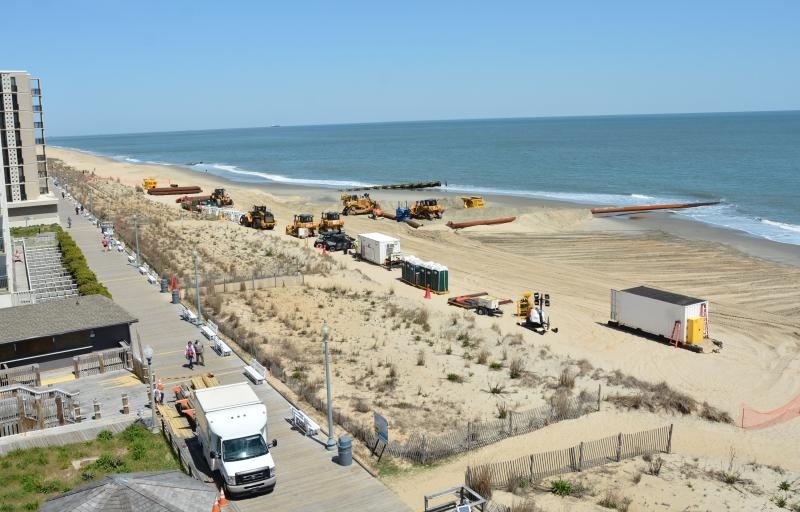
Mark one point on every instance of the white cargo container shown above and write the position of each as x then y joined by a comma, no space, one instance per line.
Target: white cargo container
377,247
232,430
656,311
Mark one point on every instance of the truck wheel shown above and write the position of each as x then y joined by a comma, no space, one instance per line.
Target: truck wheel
481,311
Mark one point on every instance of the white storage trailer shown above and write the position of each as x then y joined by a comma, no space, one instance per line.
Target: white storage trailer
377,247
232,430
656,311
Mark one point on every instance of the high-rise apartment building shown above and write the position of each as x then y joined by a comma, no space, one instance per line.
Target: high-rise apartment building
25,197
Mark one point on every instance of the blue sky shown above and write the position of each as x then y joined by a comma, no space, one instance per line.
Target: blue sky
115,67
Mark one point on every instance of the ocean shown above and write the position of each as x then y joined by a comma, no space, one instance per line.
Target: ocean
750,161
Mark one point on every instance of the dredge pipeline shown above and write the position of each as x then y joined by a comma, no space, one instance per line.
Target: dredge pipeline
398,186
387,215
486,222
646,208
173,191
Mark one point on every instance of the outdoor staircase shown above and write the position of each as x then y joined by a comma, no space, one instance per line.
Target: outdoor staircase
48,279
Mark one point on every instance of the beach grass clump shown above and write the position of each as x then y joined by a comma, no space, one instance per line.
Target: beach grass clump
562,487
454,377
613,500
480,480
524,505
516,367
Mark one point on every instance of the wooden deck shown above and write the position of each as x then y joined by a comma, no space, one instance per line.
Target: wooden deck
308,479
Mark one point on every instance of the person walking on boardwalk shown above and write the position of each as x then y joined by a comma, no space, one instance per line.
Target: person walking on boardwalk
76,211
69,222
198,352
105,244
160,391
190,354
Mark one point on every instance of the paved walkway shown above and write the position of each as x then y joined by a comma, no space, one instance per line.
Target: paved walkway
308,479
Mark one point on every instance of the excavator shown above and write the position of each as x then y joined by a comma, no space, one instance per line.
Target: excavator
330,221
258,218
355,205
427,209
303,226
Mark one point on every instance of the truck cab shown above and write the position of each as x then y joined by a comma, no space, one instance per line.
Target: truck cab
232,430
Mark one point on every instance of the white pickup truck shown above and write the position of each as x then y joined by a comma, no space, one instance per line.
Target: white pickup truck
232,430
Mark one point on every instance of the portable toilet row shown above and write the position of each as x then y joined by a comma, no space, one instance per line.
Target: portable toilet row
424,274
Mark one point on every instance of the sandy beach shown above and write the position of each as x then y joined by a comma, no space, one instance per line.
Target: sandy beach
389,358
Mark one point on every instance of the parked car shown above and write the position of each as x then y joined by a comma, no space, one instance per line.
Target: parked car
334,242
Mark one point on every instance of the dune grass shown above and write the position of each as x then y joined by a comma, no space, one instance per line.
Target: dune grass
28,477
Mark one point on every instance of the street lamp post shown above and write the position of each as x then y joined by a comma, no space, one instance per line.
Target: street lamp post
136,231
148,354
331,443
197,288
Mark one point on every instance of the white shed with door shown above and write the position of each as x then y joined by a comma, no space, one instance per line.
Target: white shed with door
377,247
657,311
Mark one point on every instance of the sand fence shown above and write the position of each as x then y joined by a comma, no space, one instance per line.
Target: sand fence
535,467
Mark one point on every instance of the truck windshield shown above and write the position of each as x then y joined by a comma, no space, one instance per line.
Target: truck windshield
243,448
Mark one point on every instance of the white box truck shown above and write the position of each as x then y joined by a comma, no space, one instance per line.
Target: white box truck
377,247
656,311
232,430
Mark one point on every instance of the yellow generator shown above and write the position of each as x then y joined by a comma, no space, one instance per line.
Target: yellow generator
354,205
258,218
330,221
149,183
695,330
473,202
303,226
524,305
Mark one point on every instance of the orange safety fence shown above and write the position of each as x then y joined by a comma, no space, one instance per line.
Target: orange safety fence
753,419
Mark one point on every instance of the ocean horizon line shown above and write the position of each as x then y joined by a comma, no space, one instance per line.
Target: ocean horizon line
427,121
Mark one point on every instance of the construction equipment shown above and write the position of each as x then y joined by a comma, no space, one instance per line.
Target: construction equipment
402,213
330,221
533,312
482,303
427,209
220,198
302,226
355,205
259,218
149,183
473,202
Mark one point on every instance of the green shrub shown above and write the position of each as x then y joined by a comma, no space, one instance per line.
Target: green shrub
562,487
75,262
454,377
110,463
137,450
104,435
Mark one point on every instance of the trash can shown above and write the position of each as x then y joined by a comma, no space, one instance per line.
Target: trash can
164,285
176,296
345,451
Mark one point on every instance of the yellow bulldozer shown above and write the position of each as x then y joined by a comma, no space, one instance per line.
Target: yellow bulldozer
427,209
220,198
258,218
303,226
330,221
355,205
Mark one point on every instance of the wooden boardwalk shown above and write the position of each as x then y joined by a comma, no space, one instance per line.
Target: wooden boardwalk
308,479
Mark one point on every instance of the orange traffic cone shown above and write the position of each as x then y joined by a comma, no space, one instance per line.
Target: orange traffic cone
428,292
222,501
215,508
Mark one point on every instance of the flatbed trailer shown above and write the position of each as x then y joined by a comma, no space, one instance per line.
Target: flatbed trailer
482,303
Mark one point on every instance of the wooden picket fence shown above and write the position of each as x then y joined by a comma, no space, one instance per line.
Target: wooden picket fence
23,408
27,375
102,361
585,455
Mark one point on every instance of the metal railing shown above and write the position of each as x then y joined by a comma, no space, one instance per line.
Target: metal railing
36,92
37,108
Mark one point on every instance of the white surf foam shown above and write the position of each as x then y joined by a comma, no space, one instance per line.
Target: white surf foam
277,178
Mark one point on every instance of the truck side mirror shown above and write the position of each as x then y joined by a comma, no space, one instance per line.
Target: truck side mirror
212,454
274,443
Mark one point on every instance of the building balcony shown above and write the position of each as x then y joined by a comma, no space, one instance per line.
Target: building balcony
36,92
38,124
41,158
37,108
38,140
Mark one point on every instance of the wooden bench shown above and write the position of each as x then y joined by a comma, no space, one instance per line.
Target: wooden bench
300,420
221,348
210,381
198,382
255,372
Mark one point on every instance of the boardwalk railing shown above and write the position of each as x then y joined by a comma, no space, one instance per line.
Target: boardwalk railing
102,362
23,408
532,468
28,375
424,449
